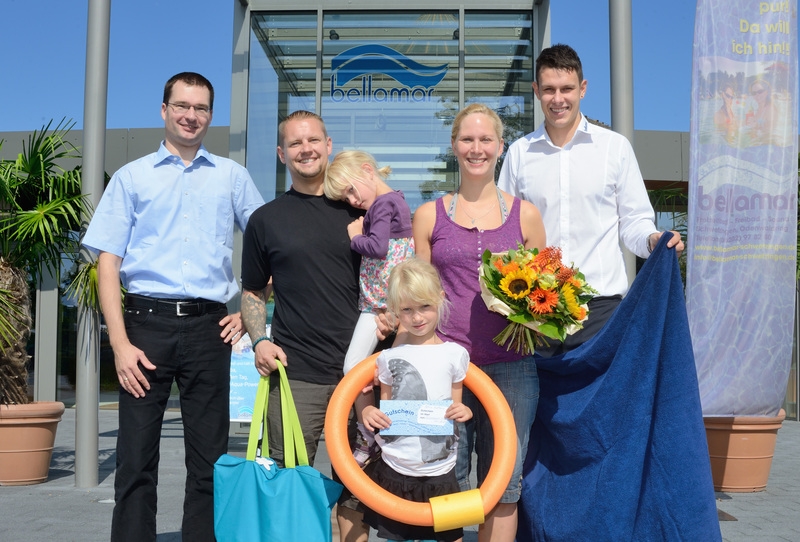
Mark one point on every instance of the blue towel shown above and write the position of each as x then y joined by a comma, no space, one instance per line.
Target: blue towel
618,449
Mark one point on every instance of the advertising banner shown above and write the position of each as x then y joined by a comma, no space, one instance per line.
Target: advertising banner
742,240
244,380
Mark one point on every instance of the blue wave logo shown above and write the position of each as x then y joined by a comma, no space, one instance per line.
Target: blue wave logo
368,59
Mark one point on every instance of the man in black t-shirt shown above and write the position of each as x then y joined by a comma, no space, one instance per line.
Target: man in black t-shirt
297,246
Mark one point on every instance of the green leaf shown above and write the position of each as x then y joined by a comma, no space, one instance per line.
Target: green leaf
550,329
523,318
41,202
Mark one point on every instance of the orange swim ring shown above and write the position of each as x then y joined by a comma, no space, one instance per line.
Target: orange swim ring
449,511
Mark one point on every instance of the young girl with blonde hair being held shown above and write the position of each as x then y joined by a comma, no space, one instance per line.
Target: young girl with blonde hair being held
423,368
384,238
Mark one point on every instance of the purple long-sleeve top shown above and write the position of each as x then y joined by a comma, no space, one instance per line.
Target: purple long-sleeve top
389,217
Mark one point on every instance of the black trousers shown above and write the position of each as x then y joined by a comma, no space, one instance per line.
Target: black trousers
189,351
600,310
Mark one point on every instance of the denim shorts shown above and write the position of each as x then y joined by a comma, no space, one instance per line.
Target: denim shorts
519,382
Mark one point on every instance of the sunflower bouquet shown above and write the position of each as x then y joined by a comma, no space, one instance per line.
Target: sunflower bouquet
539,296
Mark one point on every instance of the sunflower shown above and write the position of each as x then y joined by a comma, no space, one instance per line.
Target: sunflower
571,302
542,301
517,284
576,282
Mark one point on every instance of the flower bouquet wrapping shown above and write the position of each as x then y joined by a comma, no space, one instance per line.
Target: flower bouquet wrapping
539,296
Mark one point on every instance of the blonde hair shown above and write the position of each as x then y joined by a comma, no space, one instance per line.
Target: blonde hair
346,168
477,108
416,281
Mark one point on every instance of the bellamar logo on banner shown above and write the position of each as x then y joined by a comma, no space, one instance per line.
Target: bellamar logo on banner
363,61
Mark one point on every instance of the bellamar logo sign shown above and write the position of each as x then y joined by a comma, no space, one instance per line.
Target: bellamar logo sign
417,80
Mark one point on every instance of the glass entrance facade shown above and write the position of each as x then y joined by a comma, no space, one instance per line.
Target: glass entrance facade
387,82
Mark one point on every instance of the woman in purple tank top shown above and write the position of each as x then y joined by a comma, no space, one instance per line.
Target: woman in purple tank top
452,233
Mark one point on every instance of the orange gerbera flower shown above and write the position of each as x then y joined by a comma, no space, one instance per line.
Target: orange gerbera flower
542,301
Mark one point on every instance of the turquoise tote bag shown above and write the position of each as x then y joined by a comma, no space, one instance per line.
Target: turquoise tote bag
255,501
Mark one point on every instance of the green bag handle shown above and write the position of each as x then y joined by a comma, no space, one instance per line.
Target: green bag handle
293,443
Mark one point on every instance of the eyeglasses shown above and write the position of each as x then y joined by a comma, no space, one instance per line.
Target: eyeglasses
182,108
758,91
729,96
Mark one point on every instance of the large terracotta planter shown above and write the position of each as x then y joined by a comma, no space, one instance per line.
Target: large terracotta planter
27,436
741,450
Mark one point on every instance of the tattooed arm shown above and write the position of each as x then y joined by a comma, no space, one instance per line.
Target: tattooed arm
254,318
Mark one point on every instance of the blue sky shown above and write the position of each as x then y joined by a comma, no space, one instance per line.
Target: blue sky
43,44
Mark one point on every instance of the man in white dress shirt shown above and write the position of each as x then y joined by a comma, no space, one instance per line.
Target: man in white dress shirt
586,183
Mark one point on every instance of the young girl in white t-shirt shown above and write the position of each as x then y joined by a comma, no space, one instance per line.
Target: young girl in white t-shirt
423,368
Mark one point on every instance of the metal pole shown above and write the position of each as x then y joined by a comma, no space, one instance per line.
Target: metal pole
620,29
542,40
792,407
93,174
45,377
621,44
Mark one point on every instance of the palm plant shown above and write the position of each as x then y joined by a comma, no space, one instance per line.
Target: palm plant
41,206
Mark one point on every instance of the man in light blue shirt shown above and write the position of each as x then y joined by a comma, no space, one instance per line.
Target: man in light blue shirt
164,230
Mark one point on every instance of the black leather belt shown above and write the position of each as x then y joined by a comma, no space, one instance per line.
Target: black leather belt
174,307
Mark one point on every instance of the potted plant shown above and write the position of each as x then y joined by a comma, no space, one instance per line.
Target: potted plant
41,206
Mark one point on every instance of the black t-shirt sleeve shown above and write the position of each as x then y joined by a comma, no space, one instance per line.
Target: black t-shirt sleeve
256,270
